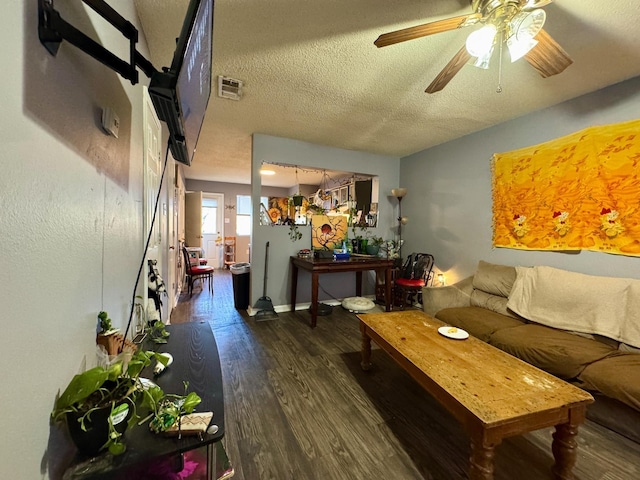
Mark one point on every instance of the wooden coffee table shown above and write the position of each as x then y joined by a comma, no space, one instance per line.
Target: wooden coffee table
491,393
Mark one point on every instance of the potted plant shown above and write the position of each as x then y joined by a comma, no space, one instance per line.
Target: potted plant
157,331
297,200
373,245
110,338
99,404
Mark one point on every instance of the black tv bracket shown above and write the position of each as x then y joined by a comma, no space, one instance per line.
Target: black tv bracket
52,30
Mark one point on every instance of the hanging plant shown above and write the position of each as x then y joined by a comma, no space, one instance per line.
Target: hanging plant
294,233
297,200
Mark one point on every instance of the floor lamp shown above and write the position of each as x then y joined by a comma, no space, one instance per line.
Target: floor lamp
399,193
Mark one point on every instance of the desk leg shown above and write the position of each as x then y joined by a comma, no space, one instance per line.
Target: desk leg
294,286
314,299
388,288
358,284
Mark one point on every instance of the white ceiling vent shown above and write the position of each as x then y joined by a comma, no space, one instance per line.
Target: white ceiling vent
229,88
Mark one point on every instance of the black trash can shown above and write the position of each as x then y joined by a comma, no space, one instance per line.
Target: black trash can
241,273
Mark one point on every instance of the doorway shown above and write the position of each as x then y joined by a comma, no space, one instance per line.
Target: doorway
212,223
159,241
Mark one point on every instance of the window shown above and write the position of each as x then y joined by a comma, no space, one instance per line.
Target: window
243,213
209,220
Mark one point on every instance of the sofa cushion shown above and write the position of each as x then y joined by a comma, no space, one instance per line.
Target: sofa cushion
494,279
479,322
491,286
574,301
617,376
557,352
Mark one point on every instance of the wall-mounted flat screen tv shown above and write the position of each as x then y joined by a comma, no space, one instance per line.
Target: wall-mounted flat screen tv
180,93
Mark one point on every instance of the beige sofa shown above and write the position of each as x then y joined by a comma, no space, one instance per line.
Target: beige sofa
581,328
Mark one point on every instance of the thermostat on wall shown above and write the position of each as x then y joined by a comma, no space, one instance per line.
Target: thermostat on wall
110,121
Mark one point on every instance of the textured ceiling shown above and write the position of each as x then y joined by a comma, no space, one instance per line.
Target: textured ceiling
312,73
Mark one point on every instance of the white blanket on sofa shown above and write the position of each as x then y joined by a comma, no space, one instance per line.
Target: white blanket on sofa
577,302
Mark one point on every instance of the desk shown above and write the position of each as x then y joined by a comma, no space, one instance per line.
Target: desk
196,360
318,266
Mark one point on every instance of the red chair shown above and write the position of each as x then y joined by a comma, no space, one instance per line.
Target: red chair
414,275
193,271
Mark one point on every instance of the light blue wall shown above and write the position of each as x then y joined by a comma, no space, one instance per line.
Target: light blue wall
280,150
70,221
449,199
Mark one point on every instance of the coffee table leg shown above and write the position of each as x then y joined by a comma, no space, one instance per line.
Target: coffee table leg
366,350
564,448
481,461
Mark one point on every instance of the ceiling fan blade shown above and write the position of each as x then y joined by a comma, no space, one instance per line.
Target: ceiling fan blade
547,57
449,71
419,31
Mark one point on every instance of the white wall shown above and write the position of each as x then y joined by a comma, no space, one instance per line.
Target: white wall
70,220
449,199
270,149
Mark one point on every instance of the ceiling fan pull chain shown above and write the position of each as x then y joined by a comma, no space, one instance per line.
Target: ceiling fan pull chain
499,89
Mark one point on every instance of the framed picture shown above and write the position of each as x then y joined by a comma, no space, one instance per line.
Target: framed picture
328,231
344,195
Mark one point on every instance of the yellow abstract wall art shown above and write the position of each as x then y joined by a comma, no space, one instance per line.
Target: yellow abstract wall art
329,231
577,192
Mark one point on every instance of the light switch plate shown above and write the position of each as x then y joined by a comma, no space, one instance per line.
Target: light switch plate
110,121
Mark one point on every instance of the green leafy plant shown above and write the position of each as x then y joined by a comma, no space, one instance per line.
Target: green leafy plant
168,408
361,225
313,209
375,241
294,232
105,323
118,388
157,331
296,200
106,387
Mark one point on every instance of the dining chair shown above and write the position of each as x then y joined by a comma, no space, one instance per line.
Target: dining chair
193,271
414,275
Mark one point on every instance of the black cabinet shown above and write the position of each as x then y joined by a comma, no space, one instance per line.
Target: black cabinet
196,361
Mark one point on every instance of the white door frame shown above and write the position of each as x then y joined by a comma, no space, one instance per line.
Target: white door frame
216,258
152,173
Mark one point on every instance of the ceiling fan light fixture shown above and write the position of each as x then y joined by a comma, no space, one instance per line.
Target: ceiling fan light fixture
480,43
484,61
524,27
519,48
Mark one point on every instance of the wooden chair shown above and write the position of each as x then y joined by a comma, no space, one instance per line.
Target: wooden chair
193,271
414,275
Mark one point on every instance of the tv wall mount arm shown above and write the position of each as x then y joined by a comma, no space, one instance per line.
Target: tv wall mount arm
52,30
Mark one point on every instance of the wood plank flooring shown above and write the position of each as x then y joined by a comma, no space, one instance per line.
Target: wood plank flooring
298,406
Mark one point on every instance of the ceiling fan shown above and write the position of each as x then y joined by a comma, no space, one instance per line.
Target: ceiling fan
516,23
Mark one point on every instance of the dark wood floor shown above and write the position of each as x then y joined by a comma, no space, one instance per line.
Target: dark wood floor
298,406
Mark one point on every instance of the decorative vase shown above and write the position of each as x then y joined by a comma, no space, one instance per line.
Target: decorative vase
373,249
355,245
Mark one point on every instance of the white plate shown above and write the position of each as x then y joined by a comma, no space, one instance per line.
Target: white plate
453,332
